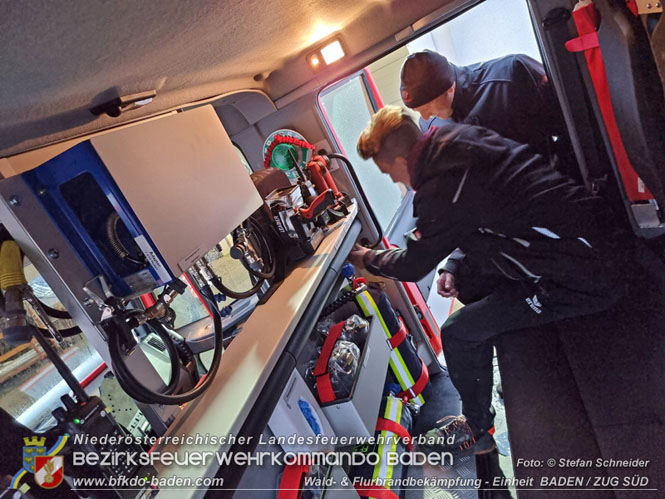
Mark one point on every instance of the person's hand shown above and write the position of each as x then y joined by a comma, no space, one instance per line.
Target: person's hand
356,256
445,285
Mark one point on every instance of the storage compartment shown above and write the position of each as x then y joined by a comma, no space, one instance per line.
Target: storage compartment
298,413
355,415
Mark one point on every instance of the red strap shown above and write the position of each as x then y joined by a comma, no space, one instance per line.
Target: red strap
587,21
632,5
289,486
396,428
397,338
323,383
418,386
375,491
283,139
584,42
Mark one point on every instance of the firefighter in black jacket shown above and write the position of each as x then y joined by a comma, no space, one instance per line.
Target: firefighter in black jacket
511,95
544,247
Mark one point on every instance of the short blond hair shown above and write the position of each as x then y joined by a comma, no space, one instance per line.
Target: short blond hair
390,134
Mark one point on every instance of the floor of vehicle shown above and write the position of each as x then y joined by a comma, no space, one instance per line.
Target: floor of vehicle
465,469
468,473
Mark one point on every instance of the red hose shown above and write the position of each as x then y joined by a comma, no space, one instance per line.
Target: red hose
282,139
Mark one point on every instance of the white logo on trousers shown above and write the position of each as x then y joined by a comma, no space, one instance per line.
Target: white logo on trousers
535,304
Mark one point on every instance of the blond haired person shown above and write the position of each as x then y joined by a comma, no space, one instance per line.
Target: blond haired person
539,247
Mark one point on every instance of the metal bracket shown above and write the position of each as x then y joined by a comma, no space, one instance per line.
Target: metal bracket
29,296
107,311
649,6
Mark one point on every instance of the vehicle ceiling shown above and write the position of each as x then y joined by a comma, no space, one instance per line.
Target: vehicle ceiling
59,59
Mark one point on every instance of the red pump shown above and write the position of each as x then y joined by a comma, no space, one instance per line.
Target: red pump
318,169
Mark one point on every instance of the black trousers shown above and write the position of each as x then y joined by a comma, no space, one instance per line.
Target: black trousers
495,306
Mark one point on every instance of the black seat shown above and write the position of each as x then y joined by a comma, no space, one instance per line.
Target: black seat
591,387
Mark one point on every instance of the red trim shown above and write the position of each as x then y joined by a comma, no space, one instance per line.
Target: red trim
418,386
452,305
587,21
90,377
372,88
375,491
148,300
323,383
289,486
397,429
196,292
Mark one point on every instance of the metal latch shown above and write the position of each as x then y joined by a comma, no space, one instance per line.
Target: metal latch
648,6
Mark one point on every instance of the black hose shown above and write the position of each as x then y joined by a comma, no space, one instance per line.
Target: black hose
54,312
136,389
266,253
266,250
174,357
238,295
65,333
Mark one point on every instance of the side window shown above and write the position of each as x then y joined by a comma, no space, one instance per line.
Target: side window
243,158
30,386
492,29
348,109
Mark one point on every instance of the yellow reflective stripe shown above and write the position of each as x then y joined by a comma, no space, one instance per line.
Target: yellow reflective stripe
397,417
379,469
397,363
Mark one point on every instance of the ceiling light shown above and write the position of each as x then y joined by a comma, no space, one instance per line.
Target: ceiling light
332,52
325,55
314,61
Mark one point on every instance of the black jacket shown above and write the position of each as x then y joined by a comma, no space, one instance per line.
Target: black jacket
504,206
509,95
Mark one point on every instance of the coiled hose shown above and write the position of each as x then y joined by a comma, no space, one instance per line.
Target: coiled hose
114,240
119,326
267,254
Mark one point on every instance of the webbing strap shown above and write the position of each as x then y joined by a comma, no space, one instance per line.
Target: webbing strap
587,21
376,491
418,386
396,428
323,383
584,42
289,486
396,339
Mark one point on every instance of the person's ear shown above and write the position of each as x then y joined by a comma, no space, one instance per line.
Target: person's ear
401,162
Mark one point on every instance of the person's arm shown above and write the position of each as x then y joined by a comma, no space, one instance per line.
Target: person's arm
449,209
454,261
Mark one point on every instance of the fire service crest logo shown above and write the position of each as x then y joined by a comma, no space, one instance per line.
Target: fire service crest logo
49,471
46,466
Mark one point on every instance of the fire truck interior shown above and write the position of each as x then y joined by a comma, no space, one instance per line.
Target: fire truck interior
179,195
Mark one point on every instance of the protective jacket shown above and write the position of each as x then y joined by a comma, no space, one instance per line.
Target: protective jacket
505,207
509,95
